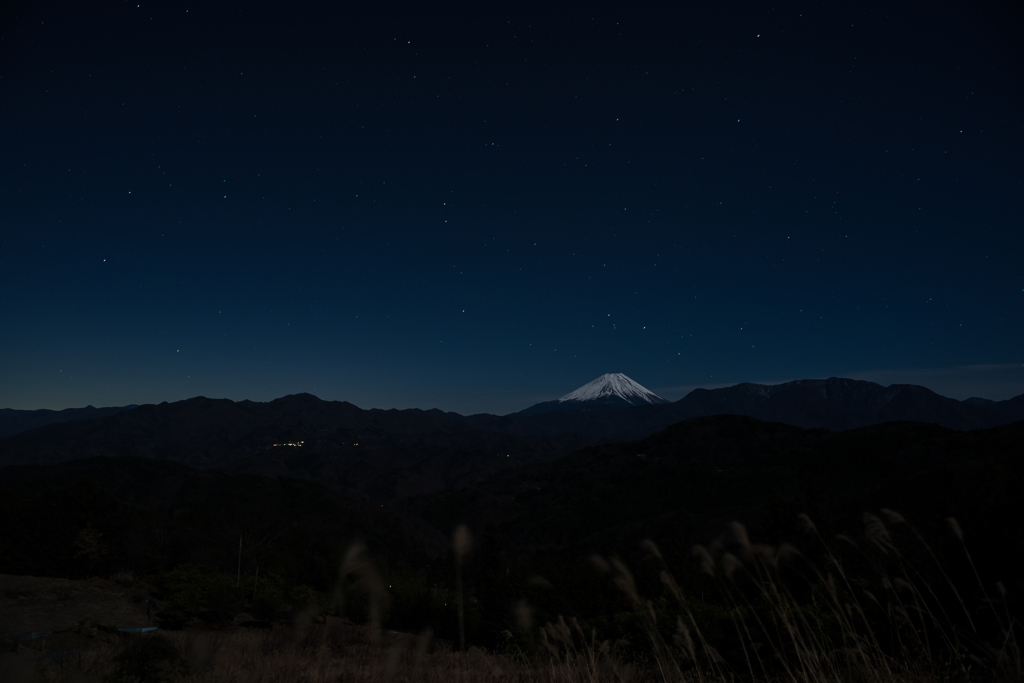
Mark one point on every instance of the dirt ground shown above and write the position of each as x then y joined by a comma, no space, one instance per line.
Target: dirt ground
30,603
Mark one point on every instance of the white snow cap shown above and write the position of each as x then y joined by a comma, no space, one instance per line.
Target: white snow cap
613,384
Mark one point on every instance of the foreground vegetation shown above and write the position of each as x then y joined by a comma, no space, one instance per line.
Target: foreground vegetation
556,585
784,617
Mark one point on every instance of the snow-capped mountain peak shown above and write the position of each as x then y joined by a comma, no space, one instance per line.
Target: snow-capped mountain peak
613,385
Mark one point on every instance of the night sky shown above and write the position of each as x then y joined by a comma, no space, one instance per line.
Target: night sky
477,209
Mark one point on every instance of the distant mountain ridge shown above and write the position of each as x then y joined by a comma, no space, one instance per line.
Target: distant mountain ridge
379,454
1012,408
839,403
834,403
389,454
17,421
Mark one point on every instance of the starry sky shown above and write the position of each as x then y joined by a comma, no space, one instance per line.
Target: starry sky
476,209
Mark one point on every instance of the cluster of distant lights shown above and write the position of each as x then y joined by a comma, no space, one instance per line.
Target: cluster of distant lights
293,444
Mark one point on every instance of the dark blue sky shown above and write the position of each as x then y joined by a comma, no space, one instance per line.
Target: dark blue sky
477,211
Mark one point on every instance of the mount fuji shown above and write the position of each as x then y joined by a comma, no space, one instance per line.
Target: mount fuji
613,389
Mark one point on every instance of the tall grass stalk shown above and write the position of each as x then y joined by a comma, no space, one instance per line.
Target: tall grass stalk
461,542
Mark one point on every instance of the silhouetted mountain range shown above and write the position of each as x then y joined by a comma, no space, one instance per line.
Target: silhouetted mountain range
1012,408
837,403
695,476
389,454
17,421
382,454
677,487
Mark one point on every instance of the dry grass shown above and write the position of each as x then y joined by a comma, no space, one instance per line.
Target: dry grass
845,631
318,653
